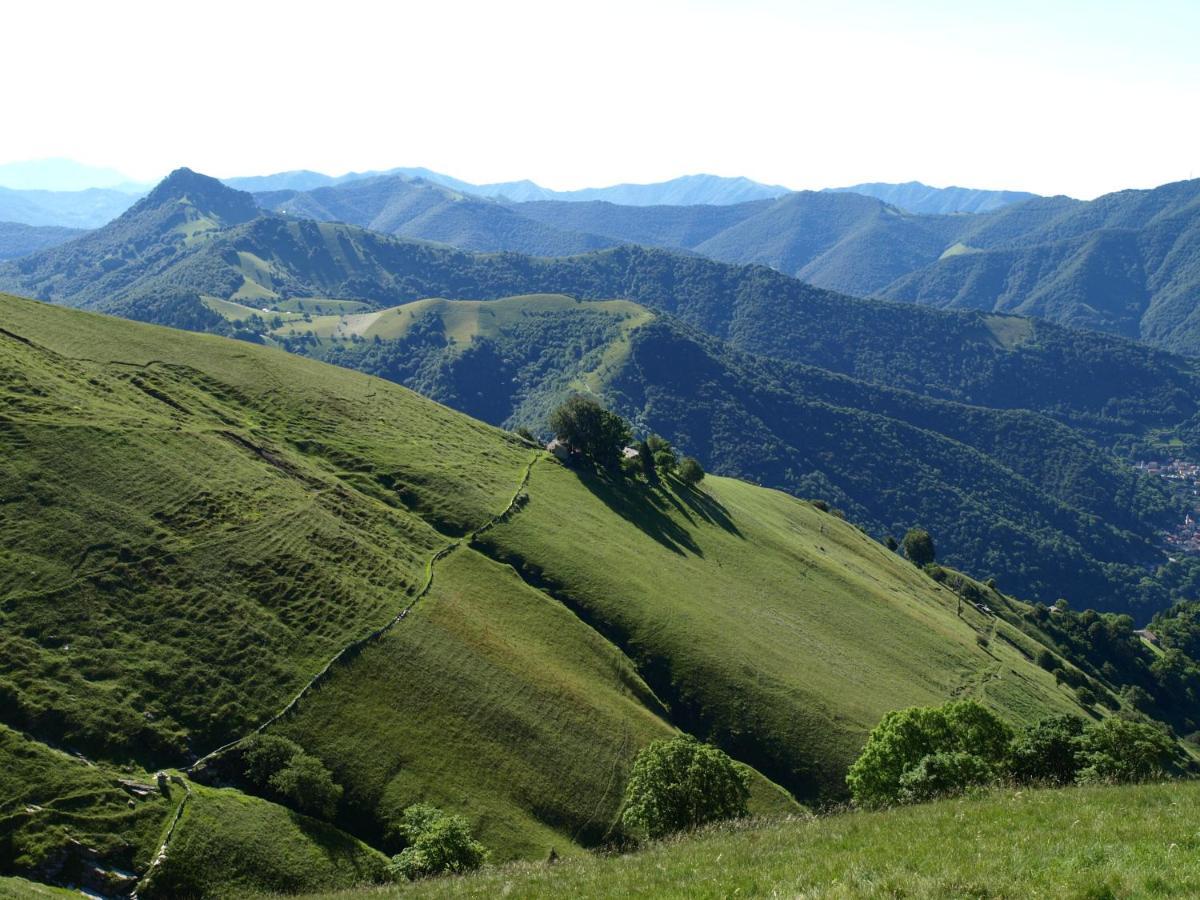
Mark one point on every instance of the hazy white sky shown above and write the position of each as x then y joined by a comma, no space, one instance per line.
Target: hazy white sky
1053,97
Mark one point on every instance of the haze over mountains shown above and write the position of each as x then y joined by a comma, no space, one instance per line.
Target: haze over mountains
736,364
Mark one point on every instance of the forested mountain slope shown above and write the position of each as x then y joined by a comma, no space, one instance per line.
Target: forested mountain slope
1127,263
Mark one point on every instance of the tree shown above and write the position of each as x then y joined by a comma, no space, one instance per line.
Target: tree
680,783
905,737
308,786
1115,750
891,543
690,471
1048,751
283,771
665,460
437,844
587,427
918,547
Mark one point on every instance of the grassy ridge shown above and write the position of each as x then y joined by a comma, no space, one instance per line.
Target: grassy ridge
1078,843
777,630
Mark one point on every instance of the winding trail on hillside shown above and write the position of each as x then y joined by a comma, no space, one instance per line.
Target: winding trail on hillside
354,647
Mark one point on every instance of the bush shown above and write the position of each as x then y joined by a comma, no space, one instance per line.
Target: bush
437,844
943,775
680,783
1048,660
905,737
1048,751
690,471
1115,750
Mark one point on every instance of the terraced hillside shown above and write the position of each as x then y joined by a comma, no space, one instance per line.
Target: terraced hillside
196,531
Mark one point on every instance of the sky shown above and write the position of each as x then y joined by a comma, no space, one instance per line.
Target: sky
1077,98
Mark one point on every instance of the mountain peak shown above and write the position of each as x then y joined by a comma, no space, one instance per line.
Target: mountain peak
207,195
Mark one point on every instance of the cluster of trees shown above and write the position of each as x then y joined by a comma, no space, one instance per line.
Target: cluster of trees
601,437
281,770
921,753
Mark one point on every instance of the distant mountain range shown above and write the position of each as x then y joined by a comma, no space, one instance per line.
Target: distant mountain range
915,197
990,425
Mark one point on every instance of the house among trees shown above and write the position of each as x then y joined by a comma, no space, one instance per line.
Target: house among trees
1147,635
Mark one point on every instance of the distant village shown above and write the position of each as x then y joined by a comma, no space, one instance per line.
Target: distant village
1185,476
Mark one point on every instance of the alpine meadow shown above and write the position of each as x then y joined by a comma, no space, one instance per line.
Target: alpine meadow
792,489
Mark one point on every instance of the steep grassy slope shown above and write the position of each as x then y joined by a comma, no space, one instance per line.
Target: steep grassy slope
183,459
1009,493
1080,842
772,628
64,819
197,530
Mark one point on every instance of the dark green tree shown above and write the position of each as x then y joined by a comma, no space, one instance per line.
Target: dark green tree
306,785
680,783
587,427
918,547
1116,750
690,471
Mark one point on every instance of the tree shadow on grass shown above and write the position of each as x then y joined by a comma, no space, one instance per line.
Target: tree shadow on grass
641,506
707,507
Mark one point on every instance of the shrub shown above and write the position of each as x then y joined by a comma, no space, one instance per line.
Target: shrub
690,471
680,783
1115,750
918,547
308,786
905,737
891,543
437,844
523,433
1048,751
943,775
1048,660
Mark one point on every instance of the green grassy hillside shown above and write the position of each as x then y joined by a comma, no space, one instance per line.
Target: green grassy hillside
1078,843
197,530
1010,493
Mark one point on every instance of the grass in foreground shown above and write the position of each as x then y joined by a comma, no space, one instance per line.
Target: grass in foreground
1095,842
